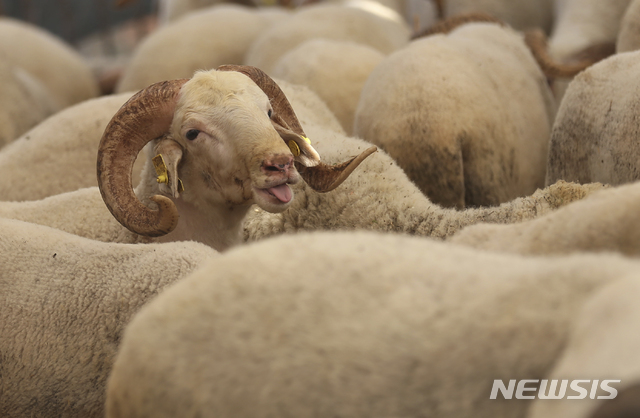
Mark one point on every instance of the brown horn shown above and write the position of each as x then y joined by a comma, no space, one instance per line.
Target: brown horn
281,106
145,116
447,25
536,40
324,178
321,177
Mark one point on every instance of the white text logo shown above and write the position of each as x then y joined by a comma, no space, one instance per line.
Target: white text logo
553,389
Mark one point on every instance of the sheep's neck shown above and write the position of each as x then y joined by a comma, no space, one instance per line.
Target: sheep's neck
217,227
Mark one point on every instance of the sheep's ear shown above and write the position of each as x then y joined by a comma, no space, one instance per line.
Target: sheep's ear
299,145
168,155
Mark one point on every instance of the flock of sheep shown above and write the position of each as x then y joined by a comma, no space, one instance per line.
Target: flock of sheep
346,208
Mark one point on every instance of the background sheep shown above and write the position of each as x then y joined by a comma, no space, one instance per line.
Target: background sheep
580,24
521,14
48,59
629,34
170,10
584,27
600,222
202,40
336,22
467,115
24,102
64,302
353,324
594,134
59,154
335,70
604,344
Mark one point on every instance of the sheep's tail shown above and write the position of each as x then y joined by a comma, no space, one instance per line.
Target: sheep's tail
447,25
536,40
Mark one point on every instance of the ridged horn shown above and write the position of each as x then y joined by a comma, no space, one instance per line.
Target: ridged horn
320,177
145,116
536,40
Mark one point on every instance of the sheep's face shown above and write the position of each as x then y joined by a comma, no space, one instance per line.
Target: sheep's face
231,153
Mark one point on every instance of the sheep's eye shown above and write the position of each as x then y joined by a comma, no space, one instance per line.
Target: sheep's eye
192,134
269,113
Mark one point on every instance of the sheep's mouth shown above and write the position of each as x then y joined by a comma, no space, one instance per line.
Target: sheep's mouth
280,194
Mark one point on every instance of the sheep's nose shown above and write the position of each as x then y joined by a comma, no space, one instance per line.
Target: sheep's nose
277,164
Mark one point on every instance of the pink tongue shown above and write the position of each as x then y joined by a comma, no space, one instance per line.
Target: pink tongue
282,192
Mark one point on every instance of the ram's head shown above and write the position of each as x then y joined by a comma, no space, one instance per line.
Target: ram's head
229,135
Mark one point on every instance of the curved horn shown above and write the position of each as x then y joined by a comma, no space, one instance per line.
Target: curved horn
449,24
324,178
536,40
319,176
145,116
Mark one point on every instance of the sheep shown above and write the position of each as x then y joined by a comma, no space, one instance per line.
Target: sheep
331,21
594,133
49,60
335,70
600,222
58,155
24,102
581,26
171,10
521,14
603,345
349,324
467,115
629,34
64,303
202,40
218,143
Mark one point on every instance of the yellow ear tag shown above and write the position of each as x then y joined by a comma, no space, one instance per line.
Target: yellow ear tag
161,169
163,173
293,146
307,139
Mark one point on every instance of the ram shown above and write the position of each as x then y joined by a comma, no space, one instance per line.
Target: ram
220,141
